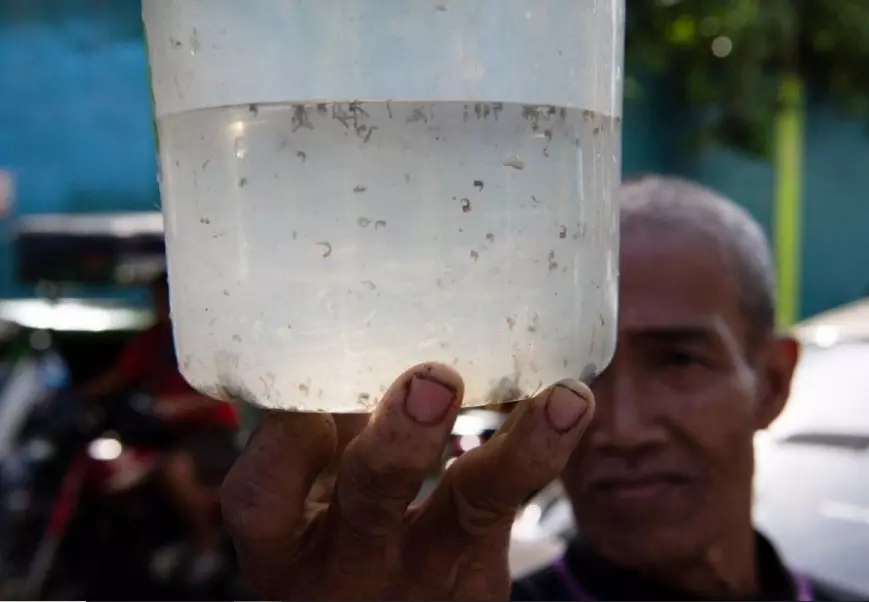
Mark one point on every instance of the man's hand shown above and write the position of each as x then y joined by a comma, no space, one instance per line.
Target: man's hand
361,541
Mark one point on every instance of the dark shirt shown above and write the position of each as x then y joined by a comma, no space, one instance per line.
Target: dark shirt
600,580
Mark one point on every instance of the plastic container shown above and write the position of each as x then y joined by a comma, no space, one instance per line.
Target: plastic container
350,188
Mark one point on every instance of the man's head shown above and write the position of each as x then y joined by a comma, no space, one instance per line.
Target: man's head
159,289
665,470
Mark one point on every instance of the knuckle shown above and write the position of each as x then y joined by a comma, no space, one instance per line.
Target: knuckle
478,513
486,489
254,511
385,479
372,493
390,470
397,468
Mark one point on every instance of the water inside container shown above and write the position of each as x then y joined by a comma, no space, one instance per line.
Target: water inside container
319,250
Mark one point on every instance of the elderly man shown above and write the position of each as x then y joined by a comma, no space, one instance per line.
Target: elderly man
660,480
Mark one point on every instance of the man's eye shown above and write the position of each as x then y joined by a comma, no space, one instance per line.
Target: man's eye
676,357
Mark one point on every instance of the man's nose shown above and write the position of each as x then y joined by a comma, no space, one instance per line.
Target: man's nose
625,419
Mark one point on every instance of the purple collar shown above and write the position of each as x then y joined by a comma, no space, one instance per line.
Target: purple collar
578,593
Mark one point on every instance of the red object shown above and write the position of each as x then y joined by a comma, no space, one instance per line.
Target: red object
149,361
67,500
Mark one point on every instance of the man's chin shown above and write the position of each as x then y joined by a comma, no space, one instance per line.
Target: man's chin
635,544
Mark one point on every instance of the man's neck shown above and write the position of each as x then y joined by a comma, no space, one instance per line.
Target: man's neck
728,569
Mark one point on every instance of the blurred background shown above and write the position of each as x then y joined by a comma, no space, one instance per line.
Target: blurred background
766,101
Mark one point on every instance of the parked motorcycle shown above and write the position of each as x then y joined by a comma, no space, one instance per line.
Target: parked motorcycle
84,516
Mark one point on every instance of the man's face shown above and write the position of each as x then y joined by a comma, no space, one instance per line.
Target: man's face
666,467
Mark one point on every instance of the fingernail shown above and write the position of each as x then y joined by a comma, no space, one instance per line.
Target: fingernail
565,407
428,400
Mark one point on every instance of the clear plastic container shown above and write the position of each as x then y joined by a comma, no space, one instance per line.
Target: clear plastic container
350,188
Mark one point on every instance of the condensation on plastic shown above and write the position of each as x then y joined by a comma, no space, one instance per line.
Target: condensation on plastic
350,188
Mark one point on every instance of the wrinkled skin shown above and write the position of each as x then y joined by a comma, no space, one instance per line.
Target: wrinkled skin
319,514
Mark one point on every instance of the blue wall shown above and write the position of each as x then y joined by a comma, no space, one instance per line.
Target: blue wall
75,115
836,259
75,128
835,262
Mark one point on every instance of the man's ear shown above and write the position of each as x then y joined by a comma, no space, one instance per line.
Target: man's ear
776,370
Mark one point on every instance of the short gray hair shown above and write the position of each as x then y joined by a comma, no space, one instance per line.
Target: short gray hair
677,203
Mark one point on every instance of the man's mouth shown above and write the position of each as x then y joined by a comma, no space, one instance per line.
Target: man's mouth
639,488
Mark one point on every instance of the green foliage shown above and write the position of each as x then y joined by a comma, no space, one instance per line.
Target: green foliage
727,58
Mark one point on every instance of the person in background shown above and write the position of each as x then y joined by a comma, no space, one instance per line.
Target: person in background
206,428
660,478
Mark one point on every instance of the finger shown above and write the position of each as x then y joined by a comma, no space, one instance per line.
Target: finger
484,488
511,418
348,427
263,496
384,466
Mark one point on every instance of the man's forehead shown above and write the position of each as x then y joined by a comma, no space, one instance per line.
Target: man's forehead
678,284
635,321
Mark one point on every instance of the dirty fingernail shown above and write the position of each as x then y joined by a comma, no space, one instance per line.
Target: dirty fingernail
565,407
428,401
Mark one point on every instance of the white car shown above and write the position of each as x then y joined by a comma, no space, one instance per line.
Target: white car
812,468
